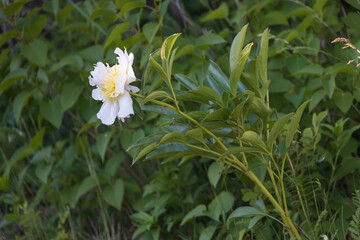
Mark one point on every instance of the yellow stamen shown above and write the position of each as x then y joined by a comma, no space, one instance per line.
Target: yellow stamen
108,89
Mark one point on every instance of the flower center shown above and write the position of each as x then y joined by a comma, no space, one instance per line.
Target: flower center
108,89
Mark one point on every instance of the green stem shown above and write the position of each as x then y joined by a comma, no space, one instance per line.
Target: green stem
92,171
268,107
271,174
283,215
174,97
298,192
332,174
239,165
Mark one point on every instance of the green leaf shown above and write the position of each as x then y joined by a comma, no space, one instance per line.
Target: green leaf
348,166
245,212
316,98
74,27
258,107
159,69
278,83
254,139
131,5
313,69
218,115
338,67
10,78
14,8
51,111
220,78
294,124
242,108
34,28
145,151
167,150
298,12
86,185
112,166
306,22
328,83
19,154
116,33
209,39
318,6
206,94
42,155
195,134
275,18
235,150
37,140
220,12
154,95
86,127
214,172
254,220
207,233
250,78
168,45
114,194
236,48
42,172
19,102
5,37
185,50
276,129
150,29
226,200
343,100
100,12
238,70
73,61
102,142
41,74
4,184
172,137
186,81
296,98
71,93
261,61
128,138
92,54
148,68
35,52
198,211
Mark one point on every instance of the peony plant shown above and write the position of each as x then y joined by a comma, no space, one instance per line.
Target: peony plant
231,123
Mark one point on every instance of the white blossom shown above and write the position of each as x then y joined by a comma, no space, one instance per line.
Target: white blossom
113,86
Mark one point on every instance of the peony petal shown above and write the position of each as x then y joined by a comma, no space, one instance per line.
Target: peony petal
107,113
125,106
132,88
122,59
120,83
98,75
130,72
131,59
130,75
118,51
96,94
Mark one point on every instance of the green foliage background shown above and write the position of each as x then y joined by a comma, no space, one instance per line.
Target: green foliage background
64,175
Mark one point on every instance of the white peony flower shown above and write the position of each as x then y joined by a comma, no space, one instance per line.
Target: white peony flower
113,84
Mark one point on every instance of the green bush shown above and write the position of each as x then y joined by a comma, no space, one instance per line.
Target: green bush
217,120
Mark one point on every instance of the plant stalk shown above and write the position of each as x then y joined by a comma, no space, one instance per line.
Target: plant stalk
240,166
